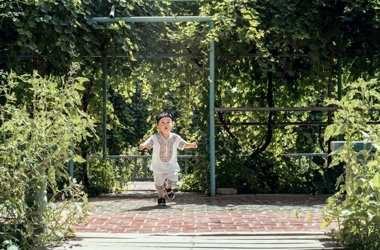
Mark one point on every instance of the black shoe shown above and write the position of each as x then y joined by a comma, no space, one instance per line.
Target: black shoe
169,192
161,202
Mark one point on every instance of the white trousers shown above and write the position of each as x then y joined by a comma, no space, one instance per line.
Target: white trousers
161,178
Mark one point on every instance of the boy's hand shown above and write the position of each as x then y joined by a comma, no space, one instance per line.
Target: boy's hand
141,147
194,145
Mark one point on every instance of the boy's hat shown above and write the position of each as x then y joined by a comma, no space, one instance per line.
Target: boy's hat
164,114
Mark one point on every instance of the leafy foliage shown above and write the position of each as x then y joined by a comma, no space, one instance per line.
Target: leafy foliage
35,145
355,206
268,54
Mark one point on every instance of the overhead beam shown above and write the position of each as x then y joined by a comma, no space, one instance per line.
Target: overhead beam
163,55
278,55
272,124
305,154
279,109
152,19
275,109
282,123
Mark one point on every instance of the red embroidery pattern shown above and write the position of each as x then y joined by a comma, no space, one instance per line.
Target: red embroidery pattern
166,147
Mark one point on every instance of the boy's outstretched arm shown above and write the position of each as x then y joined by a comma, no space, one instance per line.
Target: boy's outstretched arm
191,145
143,146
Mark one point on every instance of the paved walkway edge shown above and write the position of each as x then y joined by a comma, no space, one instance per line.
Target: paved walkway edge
318,234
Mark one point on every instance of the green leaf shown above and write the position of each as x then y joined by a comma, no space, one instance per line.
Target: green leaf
58,29
59,234
12,247
329,132
376,181
361,214
79,159
335,162
346,212
325,224
376,219
81,80
32,24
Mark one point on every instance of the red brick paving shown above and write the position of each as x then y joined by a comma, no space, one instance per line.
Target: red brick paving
192,213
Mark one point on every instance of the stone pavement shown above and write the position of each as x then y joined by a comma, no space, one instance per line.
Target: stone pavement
197,242
196,221
136,212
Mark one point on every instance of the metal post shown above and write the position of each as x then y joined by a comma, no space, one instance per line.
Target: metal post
310,161
112,13
211,113
136,169
145,166
339,79
71,161
104,110
340,137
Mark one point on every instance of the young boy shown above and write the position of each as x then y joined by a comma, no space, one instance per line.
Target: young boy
164,157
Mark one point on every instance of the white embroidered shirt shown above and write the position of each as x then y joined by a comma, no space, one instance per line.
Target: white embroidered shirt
164,156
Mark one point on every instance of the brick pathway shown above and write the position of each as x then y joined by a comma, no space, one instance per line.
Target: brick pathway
136,212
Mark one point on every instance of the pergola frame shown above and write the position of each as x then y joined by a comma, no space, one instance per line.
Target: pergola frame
162,19
212,109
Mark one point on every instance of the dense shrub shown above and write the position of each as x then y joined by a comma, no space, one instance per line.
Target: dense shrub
355,206
36,135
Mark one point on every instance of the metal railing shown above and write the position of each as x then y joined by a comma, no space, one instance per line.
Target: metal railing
140,164
309,156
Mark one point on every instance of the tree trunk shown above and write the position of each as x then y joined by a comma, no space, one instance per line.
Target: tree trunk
269,133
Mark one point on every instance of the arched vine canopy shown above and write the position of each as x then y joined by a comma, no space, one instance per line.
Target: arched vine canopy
269,53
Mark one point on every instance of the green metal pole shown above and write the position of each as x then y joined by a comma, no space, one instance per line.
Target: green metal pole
104,110
340,137
71,166
112,13
211,113
339,79
71,161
